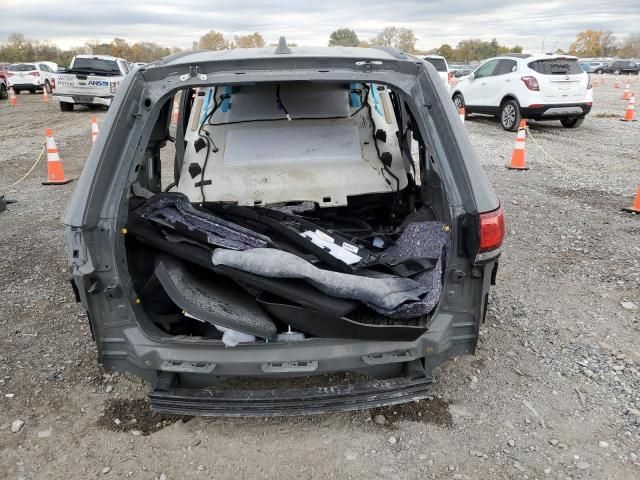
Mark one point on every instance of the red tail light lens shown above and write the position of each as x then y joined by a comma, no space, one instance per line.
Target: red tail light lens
492,230
34,74
531,83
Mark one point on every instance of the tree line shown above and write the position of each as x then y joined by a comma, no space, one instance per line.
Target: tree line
589,43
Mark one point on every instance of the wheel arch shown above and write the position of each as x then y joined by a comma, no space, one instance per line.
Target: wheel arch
507,97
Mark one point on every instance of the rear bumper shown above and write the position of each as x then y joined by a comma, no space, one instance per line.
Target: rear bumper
412,385
83,99
556,111
24,86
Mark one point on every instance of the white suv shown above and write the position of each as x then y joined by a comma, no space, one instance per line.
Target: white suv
441,65
539,87
31,76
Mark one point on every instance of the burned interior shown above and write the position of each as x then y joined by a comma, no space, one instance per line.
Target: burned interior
296,211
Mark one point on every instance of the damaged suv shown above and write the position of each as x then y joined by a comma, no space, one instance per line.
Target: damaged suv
314,211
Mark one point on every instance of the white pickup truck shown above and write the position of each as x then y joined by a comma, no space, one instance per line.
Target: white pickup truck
89,80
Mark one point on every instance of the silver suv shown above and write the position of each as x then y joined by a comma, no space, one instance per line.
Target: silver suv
314,211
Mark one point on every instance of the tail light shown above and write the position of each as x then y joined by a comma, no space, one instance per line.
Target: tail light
451,76
53,83
34,74
112,87
531,83
589,85
492,230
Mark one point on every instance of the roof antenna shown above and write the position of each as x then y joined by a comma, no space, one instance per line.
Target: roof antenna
282,47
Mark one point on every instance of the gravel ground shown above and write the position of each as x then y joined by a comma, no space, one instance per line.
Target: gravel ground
553,391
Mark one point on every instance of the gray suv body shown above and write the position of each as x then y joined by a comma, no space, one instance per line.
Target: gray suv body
161,308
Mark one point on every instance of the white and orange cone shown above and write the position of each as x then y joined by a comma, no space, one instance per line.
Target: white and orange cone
616,84
94,129
55,173
175,112
635,206
13,100
630,114
518,157
625,94
45,95
462,114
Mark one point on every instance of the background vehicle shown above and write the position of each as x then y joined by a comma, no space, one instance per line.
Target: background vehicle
89,80
598,67
460,70
441,65
539,87
30,76
622,66
4,87
328,116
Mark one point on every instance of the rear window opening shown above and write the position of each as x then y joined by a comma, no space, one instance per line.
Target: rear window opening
22,67
288,211
97,65
557,66
439,63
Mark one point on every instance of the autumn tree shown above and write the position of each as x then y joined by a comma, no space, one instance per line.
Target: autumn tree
402,39
120,48
630,47
593,43
344,37
213,41
254,40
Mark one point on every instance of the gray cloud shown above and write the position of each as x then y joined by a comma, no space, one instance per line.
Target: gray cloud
434,22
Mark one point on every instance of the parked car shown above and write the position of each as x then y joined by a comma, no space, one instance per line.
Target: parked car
298,236
539,87
442,67
90,80
622,66
4,86
30,76
597,67
460,70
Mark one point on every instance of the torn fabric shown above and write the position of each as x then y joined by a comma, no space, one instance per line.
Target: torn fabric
385,292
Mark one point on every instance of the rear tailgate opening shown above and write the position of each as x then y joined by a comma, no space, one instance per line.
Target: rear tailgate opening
290,212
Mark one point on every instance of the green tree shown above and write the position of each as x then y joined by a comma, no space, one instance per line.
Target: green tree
213,41
344,37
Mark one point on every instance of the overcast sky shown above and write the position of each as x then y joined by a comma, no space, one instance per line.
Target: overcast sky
527,23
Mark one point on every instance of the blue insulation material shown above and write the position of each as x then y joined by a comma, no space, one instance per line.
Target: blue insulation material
206,104
354,98
377,101
226,103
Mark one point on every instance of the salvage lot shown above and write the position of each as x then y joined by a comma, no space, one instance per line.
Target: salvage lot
553,392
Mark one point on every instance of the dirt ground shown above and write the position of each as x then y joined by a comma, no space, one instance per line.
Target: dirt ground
553,391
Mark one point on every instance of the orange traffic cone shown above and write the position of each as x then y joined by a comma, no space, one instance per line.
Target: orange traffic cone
461,112
13,100
625,94
94,129
630,114
616,84
175,113
518,156
55,173
635,206
45,95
